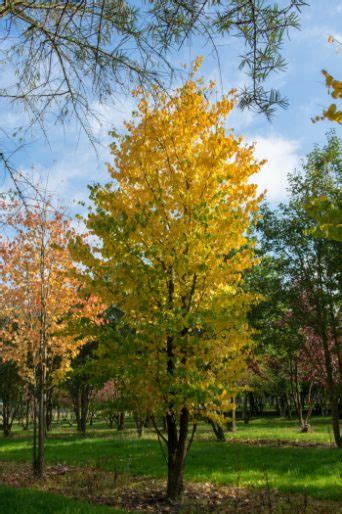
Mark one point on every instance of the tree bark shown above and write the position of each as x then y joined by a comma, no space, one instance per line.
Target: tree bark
139,423
218,431
177,451
8,415
34,445
121,421
323,326
49,412
231,425
40,460
81,408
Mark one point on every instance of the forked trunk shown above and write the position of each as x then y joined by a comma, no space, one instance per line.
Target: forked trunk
81,408
218,431
177,451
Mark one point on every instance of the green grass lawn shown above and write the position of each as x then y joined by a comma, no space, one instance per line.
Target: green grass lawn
280,429
315,471
270,427
28,501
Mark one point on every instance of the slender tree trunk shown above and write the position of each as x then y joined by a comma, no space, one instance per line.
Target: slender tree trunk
8,415
81,408
282,406
40,456
288,406
335,416
323,326
27,414
332,392
40,460
231,425
306,426
121,421
34,445
245,413
49,412
296,396
139,423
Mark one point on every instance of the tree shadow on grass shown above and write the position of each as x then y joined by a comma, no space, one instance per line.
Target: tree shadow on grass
313,471
28,501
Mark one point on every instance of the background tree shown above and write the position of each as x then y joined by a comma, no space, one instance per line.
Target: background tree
327,210
310,265
172,251
80,382
38,296
11,394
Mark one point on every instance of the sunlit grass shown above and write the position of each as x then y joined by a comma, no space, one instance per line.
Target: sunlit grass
315,471
262,428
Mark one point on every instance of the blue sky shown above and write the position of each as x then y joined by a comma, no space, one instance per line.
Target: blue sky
68,163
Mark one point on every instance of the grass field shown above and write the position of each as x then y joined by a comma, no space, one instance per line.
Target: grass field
27,501
315,471
267,428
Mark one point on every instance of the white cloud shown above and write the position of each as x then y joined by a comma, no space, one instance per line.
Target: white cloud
282,157
111,115
67,178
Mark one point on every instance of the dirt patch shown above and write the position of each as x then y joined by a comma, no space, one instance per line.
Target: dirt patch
147,495
279,442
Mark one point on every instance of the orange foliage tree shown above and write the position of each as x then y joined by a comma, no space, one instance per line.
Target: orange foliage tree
40,298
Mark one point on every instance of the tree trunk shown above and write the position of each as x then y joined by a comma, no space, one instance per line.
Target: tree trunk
27,414
288,406
282,405
41,368
245,411
110,420
6,418
40,461
332,389
49,410
34,445
177,451
231,425
306,424
218,431
139,423
121,421
81,408
335,418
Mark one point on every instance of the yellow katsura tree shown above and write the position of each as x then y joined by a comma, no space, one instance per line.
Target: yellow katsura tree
169,250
